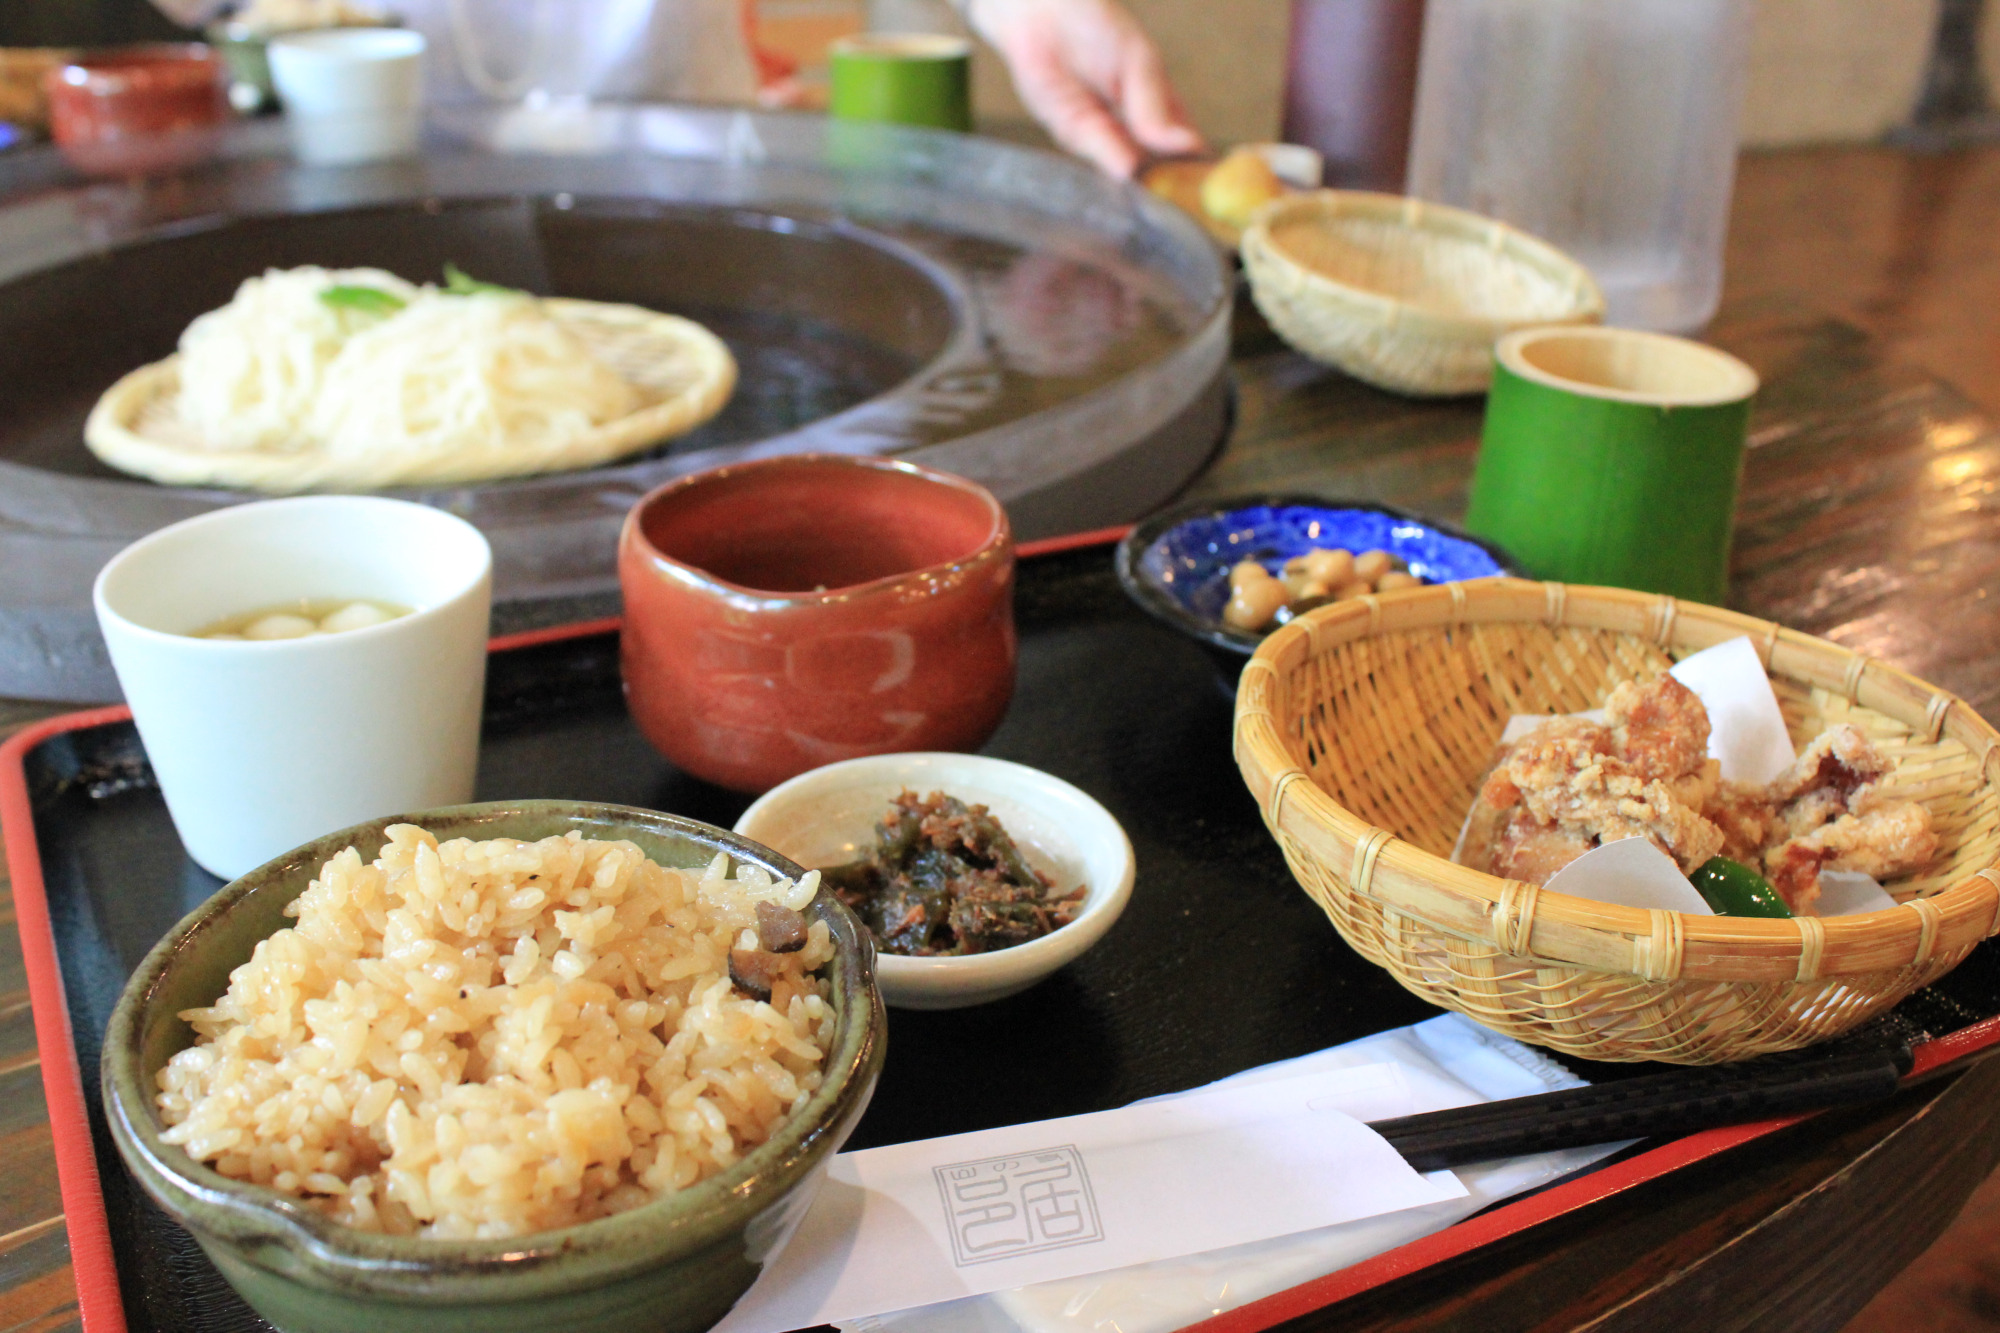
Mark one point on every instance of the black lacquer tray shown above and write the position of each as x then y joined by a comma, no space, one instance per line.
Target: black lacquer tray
1219,964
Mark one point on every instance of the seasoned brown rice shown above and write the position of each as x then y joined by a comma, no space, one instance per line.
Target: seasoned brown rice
483,1039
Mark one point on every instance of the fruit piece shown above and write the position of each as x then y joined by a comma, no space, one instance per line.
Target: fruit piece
1238,186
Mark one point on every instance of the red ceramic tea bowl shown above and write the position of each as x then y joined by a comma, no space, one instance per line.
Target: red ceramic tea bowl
791,612
138,109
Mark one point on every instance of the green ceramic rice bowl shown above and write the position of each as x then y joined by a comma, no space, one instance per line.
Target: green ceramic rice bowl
677,1263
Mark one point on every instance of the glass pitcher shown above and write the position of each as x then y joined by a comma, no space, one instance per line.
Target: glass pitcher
1607,129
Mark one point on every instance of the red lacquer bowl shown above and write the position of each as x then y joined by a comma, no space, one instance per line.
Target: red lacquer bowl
791,612
138,109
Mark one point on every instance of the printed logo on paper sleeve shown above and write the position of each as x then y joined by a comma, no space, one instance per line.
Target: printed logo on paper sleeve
1006,1206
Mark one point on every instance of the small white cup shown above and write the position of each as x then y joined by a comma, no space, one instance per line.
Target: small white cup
350,94
262,746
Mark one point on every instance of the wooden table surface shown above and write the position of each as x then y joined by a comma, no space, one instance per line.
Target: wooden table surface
1861,280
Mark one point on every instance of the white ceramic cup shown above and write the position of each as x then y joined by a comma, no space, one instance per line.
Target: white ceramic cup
350,94
262,746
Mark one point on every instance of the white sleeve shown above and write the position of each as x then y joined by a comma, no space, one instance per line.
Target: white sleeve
648,49
190,13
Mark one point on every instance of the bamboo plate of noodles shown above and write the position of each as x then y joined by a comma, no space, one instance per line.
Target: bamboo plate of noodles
1364,729
315,379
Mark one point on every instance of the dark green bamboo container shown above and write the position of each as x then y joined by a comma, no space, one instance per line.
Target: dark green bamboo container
1612,457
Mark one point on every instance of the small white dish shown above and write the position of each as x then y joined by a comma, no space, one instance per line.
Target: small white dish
827,816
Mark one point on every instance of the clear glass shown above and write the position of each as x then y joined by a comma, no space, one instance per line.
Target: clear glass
1607,129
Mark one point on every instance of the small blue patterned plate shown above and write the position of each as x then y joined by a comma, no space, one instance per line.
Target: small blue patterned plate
1176,565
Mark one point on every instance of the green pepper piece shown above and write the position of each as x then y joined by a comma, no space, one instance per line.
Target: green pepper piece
458,282
1734,889
368,300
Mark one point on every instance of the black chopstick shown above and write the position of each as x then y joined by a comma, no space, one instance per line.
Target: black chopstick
1679,1102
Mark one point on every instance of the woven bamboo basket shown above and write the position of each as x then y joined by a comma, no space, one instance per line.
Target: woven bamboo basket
23,71
1406,295
1364,729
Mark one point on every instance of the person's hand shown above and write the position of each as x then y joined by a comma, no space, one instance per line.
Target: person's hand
1090,75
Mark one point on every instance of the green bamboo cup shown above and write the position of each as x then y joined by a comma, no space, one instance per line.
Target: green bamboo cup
902,78
1611,456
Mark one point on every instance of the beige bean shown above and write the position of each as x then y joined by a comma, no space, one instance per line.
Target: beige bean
1253,604
1395,579
1347,592
1311,596
1331,567
1372,565
1245,572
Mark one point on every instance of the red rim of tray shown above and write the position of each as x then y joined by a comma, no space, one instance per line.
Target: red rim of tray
102,1310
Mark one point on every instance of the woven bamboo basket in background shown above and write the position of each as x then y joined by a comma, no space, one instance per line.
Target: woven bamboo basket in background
23,72
1365,728
1406,295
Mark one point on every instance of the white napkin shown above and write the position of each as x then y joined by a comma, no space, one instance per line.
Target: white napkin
1444,1062
1233,1163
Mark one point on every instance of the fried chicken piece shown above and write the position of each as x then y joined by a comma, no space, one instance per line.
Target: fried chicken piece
1743,812
1492,813
1572,784
1676,829
1520,844
1839,759
1818,789
1830,814
1888,839
1804,813
1696,789
1532,851
1659,728
1553,753
1572,774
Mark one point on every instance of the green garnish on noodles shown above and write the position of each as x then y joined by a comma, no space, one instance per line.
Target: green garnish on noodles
367,300
460,283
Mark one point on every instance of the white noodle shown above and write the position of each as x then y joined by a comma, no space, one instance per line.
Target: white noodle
454,372
250,371
279,369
